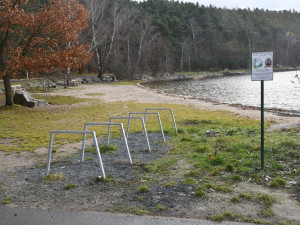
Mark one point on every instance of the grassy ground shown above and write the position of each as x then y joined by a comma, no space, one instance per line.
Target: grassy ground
218,149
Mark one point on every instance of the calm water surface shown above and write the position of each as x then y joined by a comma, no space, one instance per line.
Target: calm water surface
281,93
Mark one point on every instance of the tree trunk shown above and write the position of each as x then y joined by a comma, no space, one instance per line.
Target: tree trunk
100,74
8,91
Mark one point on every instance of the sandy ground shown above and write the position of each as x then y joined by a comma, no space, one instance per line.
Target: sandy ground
139,93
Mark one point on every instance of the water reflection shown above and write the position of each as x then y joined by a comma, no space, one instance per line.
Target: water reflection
281,93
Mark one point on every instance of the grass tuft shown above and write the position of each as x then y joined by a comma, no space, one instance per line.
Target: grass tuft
69,186
278,182
7,200
52,177
143,189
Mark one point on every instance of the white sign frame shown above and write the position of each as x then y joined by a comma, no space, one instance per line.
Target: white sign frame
262,66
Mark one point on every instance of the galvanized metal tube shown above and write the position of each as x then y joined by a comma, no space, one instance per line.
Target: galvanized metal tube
99,155
146,135
128,124
108,133
125,140
49,153
169,109
154,113
122,129
83,144
161,129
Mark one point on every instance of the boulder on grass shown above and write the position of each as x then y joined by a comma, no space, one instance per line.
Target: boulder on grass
25,99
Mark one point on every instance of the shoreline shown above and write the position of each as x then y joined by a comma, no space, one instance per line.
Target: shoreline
275,111
142,94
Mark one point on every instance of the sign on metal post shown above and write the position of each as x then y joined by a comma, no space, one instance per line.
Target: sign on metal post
262,70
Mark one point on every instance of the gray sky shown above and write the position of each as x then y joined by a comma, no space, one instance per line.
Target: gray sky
265,4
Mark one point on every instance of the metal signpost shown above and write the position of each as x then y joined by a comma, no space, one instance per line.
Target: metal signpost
262,69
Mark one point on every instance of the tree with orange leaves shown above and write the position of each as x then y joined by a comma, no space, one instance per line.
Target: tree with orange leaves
40,39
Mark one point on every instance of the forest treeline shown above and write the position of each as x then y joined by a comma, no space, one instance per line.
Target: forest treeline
129,38
158,36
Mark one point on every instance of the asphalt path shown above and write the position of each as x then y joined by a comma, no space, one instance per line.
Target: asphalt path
21,216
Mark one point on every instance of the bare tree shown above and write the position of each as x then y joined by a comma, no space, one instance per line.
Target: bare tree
103,29
195,32
144,25
95,16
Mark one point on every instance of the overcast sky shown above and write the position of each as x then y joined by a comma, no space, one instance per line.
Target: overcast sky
261,4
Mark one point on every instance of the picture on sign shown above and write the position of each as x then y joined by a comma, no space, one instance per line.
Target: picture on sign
262,66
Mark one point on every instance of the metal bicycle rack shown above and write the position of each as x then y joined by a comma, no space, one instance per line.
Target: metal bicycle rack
128,119
146,113
73,132
169,109
105,124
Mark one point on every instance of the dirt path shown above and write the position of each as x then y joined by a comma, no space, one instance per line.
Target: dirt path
138,93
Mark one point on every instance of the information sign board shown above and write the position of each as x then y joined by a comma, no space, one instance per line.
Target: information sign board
262,66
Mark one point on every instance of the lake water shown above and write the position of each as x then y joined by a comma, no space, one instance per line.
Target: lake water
281,93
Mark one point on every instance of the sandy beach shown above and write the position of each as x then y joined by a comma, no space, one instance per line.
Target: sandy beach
140,93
